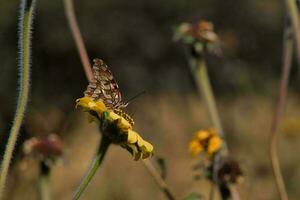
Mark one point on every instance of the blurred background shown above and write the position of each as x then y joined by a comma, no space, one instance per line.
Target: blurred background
135,39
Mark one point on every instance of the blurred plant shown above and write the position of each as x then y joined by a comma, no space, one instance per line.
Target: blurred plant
206,141
229,173
47,151
291,33
24,40
292,13
103,102
290,127
200,39
70,14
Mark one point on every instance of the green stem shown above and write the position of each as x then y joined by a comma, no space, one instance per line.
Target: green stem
105,142
25,28
203,83
159,180
199,70
44,179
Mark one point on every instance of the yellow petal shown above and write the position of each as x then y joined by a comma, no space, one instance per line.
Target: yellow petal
214,144
195,148
123,124
132,137
89,104
202,135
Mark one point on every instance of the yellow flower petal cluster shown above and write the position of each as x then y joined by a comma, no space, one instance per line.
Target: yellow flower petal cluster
206,141
134,143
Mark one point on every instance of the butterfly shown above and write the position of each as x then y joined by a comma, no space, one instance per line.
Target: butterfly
105,88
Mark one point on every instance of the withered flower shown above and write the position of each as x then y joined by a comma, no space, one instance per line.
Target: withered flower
200,36
230,171
47,148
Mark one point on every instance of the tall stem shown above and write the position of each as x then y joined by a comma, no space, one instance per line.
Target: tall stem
105,142
70,13
24,37
286,65
293,14
198,67
44,190
158,179
203,83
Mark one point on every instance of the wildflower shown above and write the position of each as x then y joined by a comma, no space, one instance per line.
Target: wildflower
230,171
200,37
48,149
102,101
206,141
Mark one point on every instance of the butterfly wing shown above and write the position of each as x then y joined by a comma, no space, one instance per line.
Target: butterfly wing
104,86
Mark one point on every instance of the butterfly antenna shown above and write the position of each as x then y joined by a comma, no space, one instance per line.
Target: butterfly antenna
134,97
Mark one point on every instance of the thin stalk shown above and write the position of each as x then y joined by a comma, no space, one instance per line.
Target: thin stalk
24,37
71,17
281,99
158,179
44,179
105,143
212,191
203,83
199,70
44,187
293,13
70,13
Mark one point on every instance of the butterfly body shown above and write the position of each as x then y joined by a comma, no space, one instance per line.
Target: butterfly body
104,87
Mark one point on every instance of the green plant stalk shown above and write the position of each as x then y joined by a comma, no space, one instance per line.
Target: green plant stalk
105,143
44,187
44,179
158,179
293,14
24,37
198,67
286,65
203,84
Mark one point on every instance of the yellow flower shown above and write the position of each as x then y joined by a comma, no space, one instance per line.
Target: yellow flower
118,129
206,141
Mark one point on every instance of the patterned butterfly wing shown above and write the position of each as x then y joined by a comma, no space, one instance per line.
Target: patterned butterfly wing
104,86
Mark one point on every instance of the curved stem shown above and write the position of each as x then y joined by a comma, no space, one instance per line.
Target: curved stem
25,27
70,13
105,142
158,179
287,59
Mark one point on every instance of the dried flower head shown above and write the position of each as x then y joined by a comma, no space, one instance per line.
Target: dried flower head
230,171
47,148
200,36
206,141
104,104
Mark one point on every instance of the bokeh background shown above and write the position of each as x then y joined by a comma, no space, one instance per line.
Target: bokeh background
135,38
